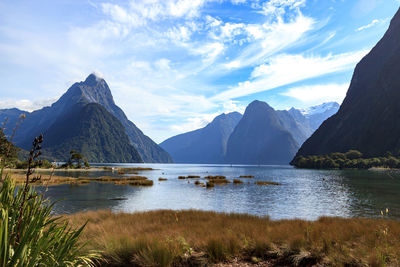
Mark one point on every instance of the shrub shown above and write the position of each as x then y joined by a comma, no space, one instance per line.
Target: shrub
29,235
353,154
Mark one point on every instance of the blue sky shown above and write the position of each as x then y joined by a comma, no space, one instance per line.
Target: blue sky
173,65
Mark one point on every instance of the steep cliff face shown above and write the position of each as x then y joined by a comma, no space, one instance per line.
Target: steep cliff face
368,117
260,138
91,130
93,90
205,145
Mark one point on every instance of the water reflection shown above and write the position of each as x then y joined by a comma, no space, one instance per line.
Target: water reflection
306,194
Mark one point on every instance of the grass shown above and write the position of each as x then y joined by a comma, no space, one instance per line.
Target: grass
266,183
237,181
197,182
216,177
136,182
220,181
19,178
134,169
246,176
176,238
162,179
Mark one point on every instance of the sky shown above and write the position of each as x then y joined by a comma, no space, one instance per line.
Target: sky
173,65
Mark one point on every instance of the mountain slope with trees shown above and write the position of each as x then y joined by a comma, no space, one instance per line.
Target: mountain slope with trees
367,120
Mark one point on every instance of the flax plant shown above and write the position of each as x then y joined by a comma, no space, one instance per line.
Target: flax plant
29,234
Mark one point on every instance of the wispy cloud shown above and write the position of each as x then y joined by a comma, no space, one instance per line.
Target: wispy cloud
316,94
26,104
285,69
370,25
171,64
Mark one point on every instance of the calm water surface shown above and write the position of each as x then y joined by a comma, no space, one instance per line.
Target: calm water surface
306,194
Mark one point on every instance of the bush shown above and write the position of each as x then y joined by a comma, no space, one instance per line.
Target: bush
353,154
349,160
29,234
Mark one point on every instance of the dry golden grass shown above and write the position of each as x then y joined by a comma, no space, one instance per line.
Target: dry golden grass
266,183
217,177
135,182
237,181
166,238
134,169
47,180
20,178
246,176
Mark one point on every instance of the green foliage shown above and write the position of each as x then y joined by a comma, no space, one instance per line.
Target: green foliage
8,152
30,236
353,154
349,160
94,132
75,161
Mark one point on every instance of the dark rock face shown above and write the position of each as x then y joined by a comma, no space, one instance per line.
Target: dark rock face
9,118
260,138
92,90
368,117
96,90
205,145
92,130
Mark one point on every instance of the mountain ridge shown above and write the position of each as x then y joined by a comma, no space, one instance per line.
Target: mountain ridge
367,116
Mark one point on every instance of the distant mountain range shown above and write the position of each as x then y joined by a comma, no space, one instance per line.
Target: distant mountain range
86,119
205,145
368,119
261,136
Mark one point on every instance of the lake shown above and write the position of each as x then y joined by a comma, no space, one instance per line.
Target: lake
306,194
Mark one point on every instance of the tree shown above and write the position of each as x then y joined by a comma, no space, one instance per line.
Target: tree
8,152
353,154
76,159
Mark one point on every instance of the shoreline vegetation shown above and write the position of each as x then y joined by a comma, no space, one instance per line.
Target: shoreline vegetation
47,177
198,238
352,159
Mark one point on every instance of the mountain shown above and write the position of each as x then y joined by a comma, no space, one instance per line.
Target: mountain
368,117
301,123
316,115
205,145
93,90
9,118
260,138
93,131
299,131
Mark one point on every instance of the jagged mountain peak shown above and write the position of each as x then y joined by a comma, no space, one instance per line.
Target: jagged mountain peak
319,108
93,79
224,116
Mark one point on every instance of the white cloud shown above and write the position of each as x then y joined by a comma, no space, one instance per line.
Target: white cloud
277,7
140,12
370,25
286,69
26,104
161,58
316,94
270,38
